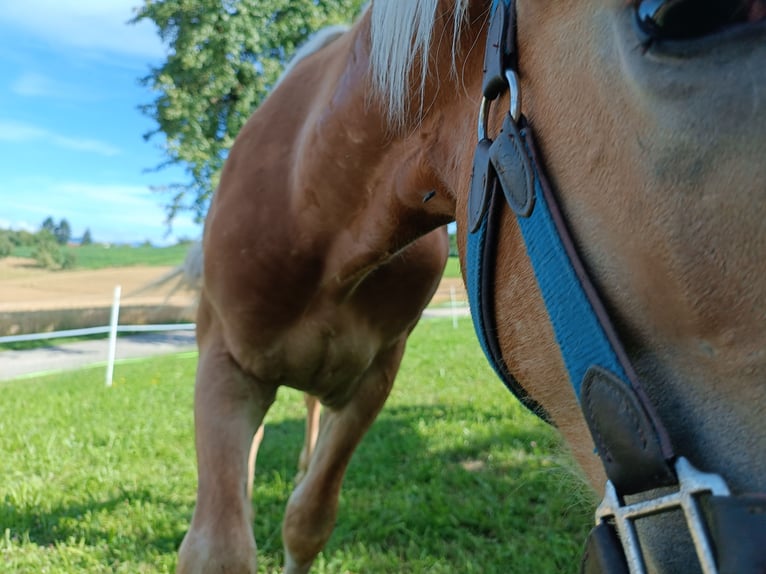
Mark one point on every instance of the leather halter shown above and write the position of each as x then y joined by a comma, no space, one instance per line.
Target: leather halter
729,533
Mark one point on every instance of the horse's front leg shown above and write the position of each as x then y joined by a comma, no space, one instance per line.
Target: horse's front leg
313,505
313,410
229,407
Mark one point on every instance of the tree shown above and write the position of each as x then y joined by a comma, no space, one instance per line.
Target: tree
48,225
223,58
86,238
453,251
44,236
49,255
63,232
6,244
22,238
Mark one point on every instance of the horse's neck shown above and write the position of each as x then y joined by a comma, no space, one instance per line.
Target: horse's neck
351,173
364,188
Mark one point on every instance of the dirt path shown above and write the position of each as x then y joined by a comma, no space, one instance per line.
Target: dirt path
80,354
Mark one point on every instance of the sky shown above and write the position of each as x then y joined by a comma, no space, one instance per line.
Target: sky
71,144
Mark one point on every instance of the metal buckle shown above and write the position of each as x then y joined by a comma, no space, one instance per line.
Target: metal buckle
691,482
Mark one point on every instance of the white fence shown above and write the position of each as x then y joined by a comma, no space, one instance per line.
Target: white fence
456,308
112,329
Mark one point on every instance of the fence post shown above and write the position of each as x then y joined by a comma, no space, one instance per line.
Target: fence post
453,304
113,335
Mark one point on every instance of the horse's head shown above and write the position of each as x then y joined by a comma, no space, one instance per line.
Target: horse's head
653,135
651,119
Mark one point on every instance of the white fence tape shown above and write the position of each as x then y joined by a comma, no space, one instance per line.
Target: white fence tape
112,329
456,308
97,331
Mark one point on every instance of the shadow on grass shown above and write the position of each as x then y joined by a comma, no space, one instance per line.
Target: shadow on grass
420,497
103,522
418,491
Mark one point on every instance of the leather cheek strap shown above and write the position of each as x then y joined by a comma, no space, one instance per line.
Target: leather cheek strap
737,527
625,437
603,552
633,459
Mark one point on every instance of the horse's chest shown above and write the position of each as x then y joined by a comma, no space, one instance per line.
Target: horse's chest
318,324
326,356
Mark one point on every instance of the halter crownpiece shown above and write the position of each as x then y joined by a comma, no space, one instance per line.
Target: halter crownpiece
630,438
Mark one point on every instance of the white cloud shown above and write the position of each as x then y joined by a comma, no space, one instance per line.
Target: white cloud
88,24
112,211
18,225
37,85
31,84
12,131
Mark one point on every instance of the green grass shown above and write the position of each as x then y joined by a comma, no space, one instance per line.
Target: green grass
454,476
98,256
452,269
24,251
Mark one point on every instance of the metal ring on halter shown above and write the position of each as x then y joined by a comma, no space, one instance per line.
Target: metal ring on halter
514,105
515,93
483,126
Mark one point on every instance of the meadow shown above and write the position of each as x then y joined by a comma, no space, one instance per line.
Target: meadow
454,476
452,270
100,256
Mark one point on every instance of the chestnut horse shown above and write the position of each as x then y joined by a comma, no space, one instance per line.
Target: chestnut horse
325,241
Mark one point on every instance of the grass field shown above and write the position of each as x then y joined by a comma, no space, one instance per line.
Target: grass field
453,268
98,256
454,476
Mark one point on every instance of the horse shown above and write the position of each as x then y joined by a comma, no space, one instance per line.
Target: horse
610,229
188,276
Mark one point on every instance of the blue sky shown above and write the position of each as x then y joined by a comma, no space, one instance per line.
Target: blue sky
71,141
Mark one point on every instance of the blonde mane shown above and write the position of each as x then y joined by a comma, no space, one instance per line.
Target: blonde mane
402,31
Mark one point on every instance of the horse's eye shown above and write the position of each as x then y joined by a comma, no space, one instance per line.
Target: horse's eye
679,19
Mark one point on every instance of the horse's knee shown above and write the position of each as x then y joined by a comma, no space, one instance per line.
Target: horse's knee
220,538
230,553
308,524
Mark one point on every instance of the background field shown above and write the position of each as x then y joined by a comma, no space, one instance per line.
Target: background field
26,287
100,256
453,477
38,300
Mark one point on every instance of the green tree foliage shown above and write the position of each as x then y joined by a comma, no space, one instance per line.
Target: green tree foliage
43,236
47,246
223,58
453,252
22,238
6,244
49,254
63,232
86,238
48,225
